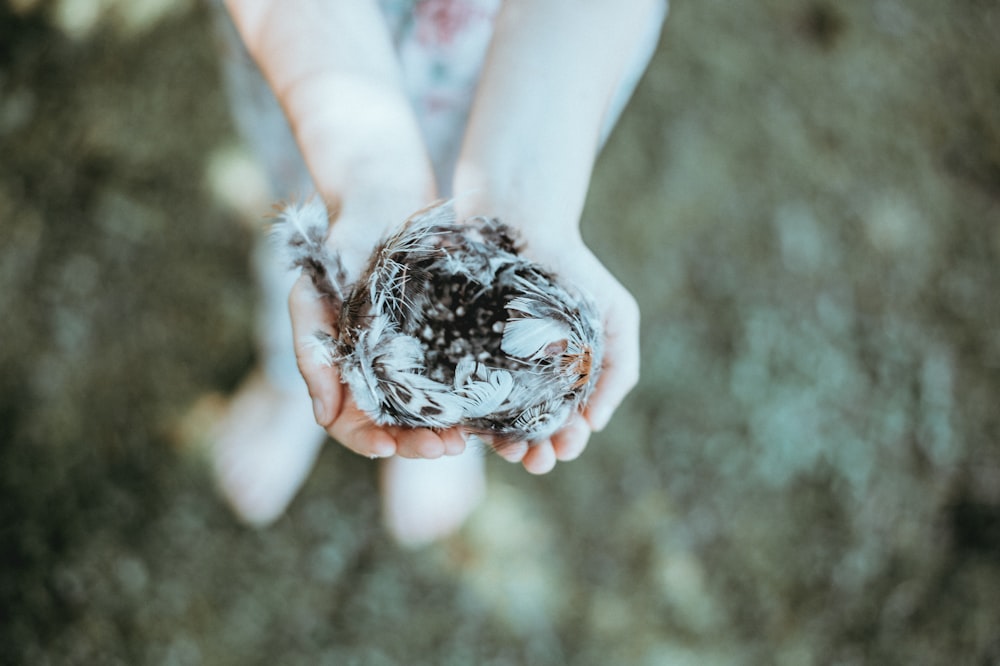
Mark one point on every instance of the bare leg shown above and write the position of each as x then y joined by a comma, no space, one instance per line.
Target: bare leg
264,447
426,500
267,440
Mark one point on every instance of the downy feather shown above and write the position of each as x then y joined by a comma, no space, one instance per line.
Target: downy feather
302,228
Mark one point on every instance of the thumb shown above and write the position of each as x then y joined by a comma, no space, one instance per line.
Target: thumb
310,314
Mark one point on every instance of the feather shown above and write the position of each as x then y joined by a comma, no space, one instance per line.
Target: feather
542,420
323,348
302,230
531,338
484,397
400,353
465,370
302,226
421,401
366,394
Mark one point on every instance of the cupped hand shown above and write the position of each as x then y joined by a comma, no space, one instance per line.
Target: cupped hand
575,264
333,405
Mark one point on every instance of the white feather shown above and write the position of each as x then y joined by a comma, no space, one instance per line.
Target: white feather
401,354
366,395
485,397
308,219
464,371
322,352
529,337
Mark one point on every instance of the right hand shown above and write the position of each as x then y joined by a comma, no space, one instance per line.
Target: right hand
333,405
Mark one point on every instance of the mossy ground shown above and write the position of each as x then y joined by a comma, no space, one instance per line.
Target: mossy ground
804,198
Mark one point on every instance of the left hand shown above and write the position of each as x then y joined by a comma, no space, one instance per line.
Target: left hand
574,263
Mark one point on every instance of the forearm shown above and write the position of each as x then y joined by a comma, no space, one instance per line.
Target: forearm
332,67
536,123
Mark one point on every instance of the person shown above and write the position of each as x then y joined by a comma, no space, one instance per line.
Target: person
501,105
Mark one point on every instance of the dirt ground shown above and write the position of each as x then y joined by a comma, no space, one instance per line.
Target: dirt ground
804,196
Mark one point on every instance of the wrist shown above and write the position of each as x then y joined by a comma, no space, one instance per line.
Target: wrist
360,141
541,215
384,201
363,216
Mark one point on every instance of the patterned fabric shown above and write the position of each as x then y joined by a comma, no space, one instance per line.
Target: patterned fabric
441,45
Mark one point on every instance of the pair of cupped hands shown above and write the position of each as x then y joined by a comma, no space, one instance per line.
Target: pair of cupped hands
528,152
353,234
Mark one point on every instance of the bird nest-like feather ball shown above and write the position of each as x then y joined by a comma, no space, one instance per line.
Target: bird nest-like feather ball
450,325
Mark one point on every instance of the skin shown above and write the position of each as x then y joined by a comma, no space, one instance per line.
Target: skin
529,150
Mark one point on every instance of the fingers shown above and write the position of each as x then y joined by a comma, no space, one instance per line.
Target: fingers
540,458
512,452
332,406
454,441
355,430
425,443
620,370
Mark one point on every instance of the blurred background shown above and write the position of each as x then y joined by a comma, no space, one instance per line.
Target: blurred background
804,196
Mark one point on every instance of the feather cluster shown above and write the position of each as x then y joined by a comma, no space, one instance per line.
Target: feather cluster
450,325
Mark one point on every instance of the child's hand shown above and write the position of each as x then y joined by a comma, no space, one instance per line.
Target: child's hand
333,404
578,266
333,68
535,128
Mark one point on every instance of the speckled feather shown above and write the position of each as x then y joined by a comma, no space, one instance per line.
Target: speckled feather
450,325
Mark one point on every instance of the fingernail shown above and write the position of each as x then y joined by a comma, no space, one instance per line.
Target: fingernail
319,411
384,451
382,447
455,450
